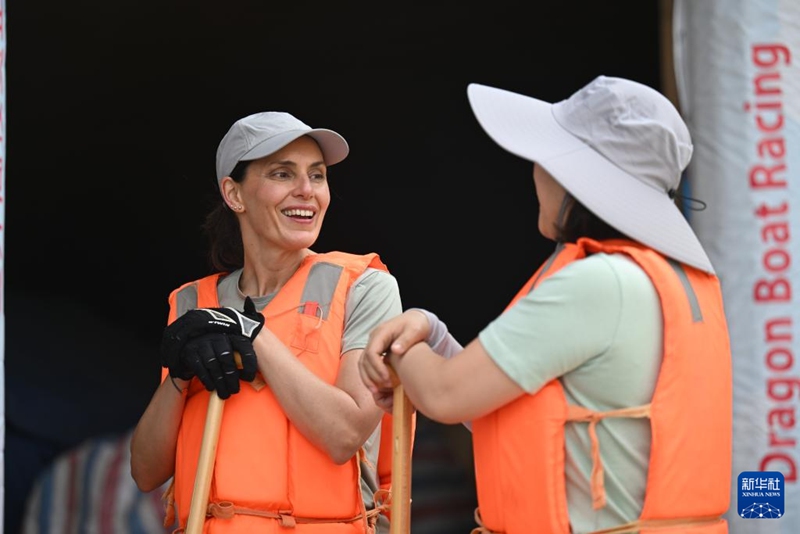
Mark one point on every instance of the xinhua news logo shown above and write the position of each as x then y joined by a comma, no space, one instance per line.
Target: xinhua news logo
761,495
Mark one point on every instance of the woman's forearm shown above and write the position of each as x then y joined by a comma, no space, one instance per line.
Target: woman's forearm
156,436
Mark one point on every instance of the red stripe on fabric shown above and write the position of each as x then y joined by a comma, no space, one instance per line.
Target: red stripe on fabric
110,490
72,493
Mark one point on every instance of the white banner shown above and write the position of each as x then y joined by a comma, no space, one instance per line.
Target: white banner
2,253
738,84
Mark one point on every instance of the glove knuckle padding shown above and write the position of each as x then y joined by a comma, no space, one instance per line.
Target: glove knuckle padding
222,347
195,363
244,347
201,343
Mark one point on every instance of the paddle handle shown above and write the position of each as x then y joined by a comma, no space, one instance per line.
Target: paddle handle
402,413
205,463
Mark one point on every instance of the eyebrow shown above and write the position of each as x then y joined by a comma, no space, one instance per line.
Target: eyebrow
319,163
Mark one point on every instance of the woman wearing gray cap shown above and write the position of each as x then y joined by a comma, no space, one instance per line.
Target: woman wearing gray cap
299,440
600,398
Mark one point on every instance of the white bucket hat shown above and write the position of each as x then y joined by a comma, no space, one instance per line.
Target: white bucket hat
619,147
262,134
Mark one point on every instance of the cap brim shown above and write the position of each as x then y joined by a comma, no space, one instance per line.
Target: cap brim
333,146
526,127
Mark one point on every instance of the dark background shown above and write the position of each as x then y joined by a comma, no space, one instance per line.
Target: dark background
114,112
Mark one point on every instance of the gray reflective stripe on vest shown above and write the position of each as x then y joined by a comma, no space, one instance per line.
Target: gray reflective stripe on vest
697,313
548,264
321,285
691,296
186,300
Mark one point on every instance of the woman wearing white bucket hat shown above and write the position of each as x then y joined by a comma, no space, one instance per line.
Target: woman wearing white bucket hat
600,399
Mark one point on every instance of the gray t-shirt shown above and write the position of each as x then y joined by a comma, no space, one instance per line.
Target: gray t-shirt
597,326
373,298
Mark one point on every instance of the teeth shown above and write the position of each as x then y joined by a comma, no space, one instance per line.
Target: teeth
298,213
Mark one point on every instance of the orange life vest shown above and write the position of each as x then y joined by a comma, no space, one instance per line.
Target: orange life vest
519,449
267,475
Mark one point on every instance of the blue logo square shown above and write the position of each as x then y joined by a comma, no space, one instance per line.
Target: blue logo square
761,495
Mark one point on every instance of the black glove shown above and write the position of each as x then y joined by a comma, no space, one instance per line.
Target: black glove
248,366
194,323
210,357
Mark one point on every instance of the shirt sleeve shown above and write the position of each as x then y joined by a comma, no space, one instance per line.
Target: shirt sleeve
373,298
570,318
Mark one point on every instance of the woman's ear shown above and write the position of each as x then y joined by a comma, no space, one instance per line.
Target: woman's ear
231,194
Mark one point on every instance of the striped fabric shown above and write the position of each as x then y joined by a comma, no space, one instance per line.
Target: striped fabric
89,490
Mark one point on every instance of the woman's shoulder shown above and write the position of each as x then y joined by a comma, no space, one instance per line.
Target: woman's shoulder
373,297
376,278
605,266
600,276
342,256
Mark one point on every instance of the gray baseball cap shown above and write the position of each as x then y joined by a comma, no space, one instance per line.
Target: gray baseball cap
262,134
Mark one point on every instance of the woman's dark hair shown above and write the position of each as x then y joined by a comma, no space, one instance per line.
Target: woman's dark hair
225,249
583,223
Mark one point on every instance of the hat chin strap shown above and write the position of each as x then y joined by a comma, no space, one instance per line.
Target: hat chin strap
562,211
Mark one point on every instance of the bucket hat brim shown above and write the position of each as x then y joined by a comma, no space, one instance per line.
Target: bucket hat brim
527,128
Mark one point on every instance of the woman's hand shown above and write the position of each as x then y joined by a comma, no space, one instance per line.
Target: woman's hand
394,337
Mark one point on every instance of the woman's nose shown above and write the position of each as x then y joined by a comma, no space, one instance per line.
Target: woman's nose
304,187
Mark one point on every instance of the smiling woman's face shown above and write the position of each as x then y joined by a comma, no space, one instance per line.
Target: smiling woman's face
285,197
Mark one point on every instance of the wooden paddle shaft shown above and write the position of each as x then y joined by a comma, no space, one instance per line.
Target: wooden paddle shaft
205,463
402,412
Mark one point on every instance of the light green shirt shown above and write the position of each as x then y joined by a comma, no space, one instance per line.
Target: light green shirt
597,326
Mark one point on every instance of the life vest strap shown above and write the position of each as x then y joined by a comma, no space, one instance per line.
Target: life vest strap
627,528
169,504
481,528
581,414
667,524
227,510
382,499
